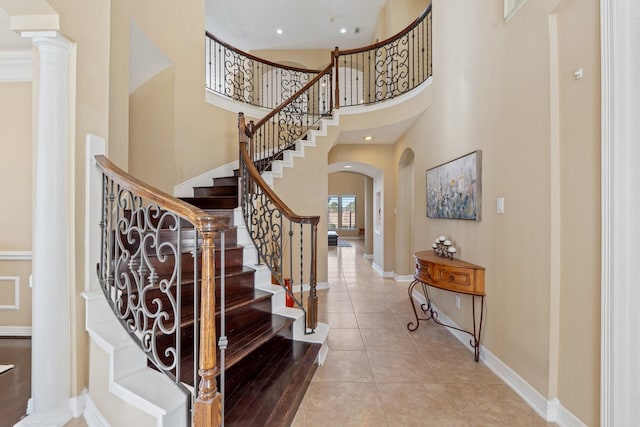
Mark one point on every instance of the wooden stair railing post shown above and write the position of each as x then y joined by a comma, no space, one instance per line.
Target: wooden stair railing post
208,406
334,62
313,297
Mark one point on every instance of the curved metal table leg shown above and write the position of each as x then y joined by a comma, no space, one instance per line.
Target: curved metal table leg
433,315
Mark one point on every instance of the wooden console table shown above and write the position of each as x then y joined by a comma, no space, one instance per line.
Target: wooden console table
451,275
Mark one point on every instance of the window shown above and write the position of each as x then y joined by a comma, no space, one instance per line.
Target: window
341,212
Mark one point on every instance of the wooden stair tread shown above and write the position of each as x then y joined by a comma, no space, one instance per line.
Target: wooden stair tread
272,395
245,339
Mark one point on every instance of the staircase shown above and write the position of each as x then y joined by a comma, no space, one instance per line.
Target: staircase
267,371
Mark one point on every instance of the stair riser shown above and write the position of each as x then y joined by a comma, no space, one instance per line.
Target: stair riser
259,311
234,285
187,240
224,181
165,266
223,190
217,202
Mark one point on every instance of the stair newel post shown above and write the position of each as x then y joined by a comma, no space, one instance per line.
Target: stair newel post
242,135
252,143
242,139
312,321
208,406
336,54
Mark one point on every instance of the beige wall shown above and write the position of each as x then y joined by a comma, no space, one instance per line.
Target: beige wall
347,183
119,84
87,24
15,166
396,15
298,184
15,193
152,131
202,136
492,91
579,148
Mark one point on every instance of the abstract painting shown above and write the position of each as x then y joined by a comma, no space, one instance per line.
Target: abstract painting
454,188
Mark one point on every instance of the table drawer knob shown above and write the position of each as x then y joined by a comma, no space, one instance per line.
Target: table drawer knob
452,277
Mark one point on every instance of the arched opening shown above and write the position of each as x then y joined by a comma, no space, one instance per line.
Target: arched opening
373,205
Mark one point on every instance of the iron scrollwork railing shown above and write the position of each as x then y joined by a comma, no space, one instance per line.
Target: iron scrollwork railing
157,257
243,77
363,76
386,69
286,242
279,130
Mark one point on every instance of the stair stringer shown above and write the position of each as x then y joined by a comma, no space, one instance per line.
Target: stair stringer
277,167
135,394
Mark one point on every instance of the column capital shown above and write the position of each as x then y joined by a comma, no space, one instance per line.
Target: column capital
48,38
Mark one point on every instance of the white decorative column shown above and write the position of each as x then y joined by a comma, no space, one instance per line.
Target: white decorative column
52,260
620,339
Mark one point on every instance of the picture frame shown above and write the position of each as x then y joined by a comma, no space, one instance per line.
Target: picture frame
454,188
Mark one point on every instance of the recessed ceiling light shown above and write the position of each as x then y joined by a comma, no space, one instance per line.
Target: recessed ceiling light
343,30
279,31
368,138
348,166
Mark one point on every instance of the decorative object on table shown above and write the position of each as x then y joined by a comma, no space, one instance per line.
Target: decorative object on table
454,188
288,295
443,247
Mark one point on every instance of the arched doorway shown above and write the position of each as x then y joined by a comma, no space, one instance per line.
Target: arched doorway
373,205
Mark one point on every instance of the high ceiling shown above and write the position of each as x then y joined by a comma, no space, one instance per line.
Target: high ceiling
305,24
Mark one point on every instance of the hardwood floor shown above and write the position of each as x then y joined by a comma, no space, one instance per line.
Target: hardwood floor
15,384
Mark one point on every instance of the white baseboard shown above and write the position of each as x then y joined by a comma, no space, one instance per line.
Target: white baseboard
368,256
403,277
92,414
381,272
550,410
567,419
15,331
78,403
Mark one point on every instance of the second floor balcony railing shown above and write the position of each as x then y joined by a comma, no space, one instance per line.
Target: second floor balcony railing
363,76
246,78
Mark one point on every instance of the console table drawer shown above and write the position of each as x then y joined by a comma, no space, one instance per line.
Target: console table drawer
449,274
452,278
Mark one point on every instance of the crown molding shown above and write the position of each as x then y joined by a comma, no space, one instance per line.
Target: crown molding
16,66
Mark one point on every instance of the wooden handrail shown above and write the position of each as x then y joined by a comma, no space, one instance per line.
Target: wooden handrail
257,178
257,59
196,215
294,97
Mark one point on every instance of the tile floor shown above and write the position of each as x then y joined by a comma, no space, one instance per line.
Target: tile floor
380,374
